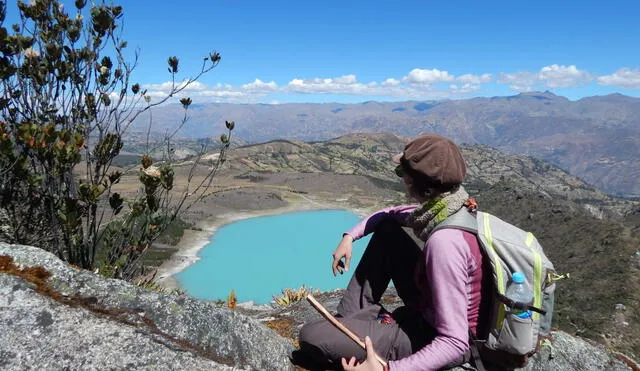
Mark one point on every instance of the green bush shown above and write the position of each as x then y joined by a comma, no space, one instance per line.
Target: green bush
67,102
173,232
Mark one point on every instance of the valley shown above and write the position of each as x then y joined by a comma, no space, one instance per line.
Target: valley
594,138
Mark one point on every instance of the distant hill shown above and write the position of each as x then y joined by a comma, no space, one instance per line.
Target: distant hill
595,138
369,155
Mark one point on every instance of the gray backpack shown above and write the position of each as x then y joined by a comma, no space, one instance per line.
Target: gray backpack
509,340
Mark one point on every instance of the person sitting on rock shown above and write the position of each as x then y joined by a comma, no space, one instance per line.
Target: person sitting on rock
438,279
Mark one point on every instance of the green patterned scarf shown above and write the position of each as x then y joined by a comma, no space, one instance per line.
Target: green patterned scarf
426,216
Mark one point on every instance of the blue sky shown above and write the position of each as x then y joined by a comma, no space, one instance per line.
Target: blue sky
354,51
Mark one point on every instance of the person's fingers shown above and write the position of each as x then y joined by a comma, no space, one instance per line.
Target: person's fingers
344,363
349,365
371,353
347,262
335,265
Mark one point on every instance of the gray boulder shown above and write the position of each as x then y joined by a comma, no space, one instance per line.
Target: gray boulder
572,353
75,319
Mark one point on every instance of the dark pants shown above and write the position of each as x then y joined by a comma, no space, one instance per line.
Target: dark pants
390,255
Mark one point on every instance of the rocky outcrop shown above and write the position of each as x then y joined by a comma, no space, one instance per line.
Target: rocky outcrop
54,316
565,352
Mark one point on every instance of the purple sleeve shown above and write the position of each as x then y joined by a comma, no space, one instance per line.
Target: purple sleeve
446,279
368,224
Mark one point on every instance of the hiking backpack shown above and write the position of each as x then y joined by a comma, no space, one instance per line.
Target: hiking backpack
509,340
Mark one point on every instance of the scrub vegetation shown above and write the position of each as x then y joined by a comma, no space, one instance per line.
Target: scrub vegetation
68,100
290,296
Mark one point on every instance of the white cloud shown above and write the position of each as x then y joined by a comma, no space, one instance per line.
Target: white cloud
556,76
466,88
340,85
296,82
223,94
347,84
519,81
390,82
427,77
200,92
417,84
475,79
167,86
260,85
624,77
347,79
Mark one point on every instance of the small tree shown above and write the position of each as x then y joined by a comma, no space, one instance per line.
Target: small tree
66,104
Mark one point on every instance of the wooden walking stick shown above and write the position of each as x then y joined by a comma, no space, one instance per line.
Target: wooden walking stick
325,313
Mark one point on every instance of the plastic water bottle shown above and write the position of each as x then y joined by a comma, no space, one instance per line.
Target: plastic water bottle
519,291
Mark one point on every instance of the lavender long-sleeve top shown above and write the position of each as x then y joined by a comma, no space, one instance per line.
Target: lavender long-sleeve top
449,279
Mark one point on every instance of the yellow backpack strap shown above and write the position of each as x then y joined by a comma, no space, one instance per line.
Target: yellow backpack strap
497,266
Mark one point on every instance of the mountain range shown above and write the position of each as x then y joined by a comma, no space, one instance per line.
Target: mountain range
594,138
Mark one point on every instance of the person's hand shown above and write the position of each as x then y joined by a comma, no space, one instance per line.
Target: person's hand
369,364
342,251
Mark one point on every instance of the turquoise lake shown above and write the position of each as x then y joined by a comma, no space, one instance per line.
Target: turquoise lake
259,257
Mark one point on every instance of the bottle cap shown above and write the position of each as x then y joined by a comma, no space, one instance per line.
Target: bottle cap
518,277
525,314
